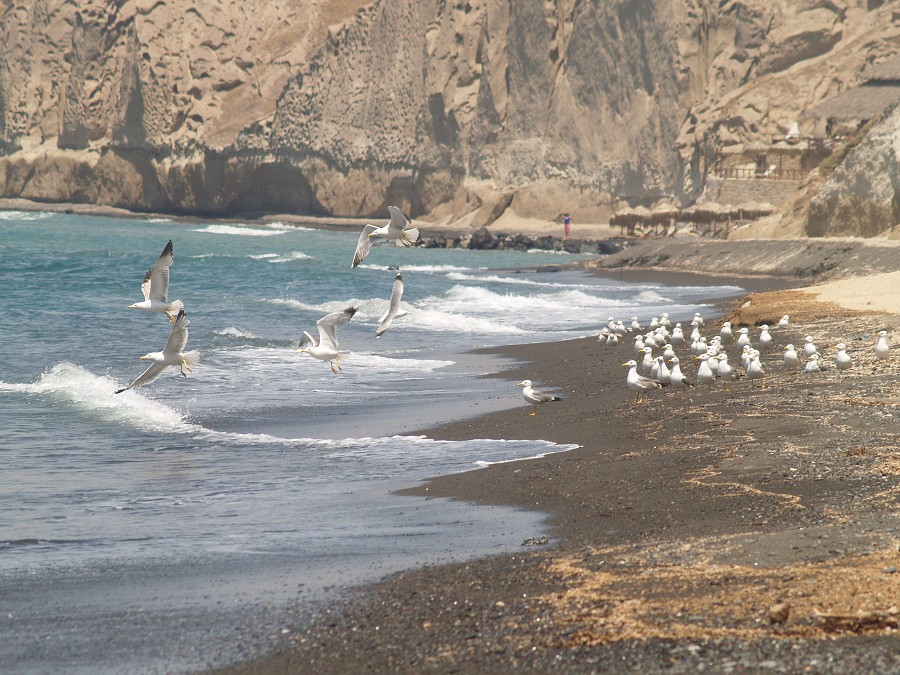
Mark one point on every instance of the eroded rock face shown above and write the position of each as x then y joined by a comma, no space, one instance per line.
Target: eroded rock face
447,108
861,197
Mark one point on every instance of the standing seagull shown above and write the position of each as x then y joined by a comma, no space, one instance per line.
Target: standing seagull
676,377
638,382
394,307
173,354
156,287
397,229
791,358
326,347
535,397
842,360
882,348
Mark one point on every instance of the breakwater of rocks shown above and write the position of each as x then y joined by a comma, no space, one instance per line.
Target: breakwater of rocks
486,240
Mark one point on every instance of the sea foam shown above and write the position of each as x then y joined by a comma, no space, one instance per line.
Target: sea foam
67,384
241,230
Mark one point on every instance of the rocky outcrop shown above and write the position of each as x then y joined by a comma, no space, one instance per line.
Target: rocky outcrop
450,110
862,196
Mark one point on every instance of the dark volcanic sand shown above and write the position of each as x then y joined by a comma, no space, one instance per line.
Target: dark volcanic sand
677,526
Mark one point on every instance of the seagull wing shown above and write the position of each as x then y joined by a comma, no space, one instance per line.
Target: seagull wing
541,397
329,323
150,375
364,245
156,280
308,340
394,308
398,222
179,336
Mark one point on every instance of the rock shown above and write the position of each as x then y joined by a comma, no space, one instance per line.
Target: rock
779,612
481,239
342,107
858,199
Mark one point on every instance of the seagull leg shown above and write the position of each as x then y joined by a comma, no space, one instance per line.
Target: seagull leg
534,411
171,316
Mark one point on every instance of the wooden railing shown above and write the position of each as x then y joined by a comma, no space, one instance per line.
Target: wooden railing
783,174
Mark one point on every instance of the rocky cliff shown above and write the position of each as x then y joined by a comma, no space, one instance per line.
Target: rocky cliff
445,108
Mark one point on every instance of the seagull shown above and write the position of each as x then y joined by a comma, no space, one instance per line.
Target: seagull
678,335
882,349
635,324
755,370
394,307
648,361
663,375
743,339
726,332
156,287
326,347
638,382
746,356
809,348
664,320
534,397
842,360
695,331
712,361
725,371
676,377
704,372
173,354
397,229
698,318
784,321
790,357
812,366
668,352
765,339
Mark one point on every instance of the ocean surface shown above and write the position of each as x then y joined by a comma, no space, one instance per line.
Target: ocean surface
181,525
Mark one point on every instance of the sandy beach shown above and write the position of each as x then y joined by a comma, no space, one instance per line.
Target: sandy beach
729,528
733,527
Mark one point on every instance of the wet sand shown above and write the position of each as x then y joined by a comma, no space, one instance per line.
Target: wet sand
734,527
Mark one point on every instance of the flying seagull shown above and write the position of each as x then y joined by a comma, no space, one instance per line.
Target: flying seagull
397,229
535,397
156,287
394,307
173,354
326,347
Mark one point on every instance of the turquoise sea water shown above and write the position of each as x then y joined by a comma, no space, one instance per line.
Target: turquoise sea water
262,477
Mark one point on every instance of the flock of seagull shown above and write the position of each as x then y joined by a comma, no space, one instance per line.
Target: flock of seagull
657,365
155,289
650,370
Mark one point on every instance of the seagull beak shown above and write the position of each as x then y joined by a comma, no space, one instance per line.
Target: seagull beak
143,358
130,307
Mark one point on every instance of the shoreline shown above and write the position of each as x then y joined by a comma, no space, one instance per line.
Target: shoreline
631,497
672,487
